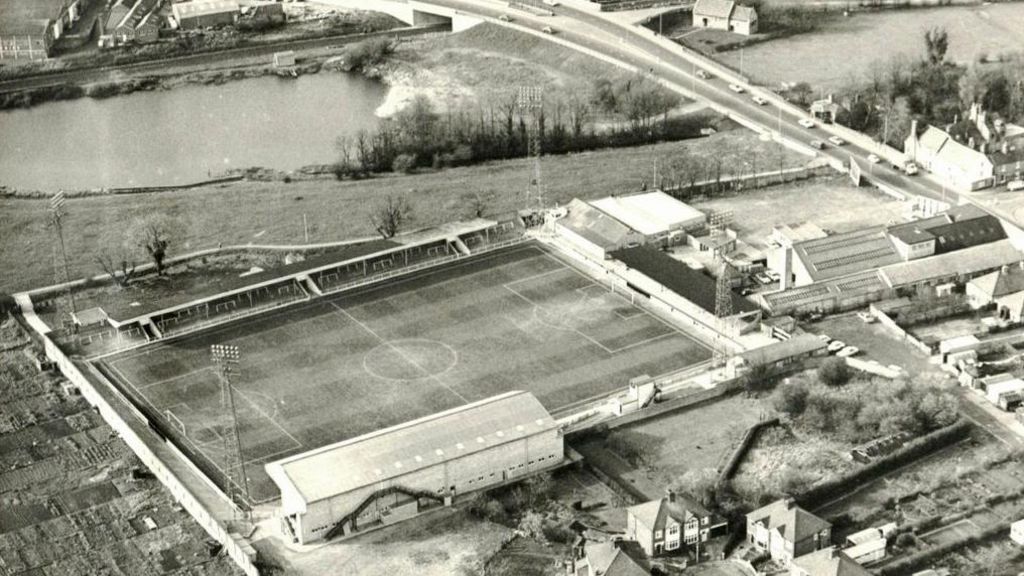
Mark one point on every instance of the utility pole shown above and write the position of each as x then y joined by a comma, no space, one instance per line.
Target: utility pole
531,100
57,213
227,357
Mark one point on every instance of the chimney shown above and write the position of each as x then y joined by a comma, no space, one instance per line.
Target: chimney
671,495
787,269
1005,147
830,98
983,147
790,502
970,142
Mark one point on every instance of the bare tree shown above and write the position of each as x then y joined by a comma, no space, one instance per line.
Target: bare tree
120,269
153,233
389,216
936,41
476,202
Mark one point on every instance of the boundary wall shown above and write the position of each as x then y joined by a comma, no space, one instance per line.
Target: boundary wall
105,401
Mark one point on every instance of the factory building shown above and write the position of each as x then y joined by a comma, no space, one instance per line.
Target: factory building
395,473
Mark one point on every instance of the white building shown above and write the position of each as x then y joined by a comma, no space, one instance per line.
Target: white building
959,164
1017,532
656,215
593,233
393,474
725,15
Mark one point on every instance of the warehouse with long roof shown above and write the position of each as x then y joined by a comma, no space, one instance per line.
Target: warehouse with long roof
395,473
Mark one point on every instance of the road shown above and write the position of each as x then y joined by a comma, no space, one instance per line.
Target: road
98,73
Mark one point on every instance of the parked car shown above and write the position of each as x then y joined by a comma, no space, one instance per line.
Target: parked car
818,144
910,168
746,291
703,75
824,338
737,88
874,159
773,275
504,18
762,278
806,123
836,140
848,351
836,345
760,101
866,317
1015,186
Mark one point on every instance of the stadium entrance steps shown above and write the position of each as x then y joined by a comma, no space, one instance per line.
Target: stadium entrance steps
309,286
150,330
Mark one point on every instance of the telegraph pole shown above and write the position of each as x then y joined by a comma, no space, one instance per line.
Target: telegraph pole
227,357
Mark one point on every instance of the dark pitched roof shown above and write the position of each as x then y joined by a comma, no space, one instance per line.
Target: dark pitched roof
623,558
966,233
678,277
793,522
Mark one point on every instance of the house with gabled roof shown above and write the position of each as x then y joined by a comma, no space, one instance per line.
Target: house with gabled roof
826,562
725,15
787,531
610,558
672,523
939,153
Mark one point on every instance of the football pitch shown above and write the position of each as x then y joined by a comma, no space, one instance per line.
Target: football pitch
356,362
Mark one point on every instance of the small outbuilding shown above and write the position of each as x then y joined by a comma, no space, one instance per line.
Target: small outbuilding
725,15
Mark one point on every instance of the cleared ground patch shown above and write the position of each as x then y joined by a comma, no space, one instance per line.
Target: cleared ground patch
340,367
831,203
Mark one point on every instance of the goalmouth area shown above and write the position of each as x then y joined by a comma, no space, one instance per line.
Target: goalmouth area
350,363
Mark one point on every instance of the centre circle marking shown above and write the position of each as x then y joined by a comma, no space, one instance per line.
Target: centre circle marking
410,359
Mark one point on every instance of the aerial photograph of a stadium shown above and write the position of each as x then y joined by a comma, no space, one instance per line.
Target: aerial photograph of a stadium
511,288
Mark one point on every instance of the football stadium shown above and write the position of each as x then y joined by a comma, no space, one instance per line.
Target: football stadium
360,386
349,364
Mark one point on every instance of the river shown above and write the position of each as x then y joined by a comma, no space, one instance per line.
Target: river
182,135
844,49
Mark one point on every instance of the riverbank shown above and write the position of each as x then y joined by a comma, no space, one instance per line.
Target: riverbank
275,212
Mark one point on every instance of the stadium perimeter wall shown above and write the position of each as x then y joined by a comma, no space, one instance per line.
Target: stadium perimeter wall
104,402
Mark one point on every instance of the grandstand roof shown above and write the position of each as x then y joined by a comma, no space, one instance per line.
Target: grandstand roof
678,277
392,452
960,263
848,253
650,213
594,225
120,310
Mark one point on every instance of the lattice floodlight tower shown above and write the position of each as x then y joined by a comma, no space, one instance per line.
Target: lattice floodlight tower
531,100
227,358
723,308
61,275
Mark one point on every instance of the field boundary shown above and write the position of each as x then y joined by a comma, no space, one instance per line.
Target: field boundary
141,446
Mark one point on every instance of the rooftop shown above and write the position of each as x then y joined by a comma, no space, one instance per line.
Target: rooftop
1006,280
651,212
962,262
594,225
829,562
678,277
28,16
713,8
199,8
793,522
796,346
398,450
622,558
799,232
848,253
680,507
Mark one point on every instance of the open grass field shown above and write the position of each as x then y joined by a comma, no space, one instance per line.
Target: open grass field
272,212
340,367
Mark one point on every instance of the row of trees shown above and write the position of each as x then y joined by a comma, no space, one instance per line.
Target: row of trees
419,136
931,89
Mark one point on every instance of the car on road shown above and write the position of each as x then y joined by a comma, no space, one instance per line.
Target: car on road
504,18
910,168
866,317
848,351
836,140
818,144
552,3
874,159
760,101
835,346
548,30
703,75
806,123
737,88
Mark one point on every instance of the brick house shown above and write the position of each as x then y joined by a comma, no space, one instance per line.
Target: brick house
787,531
672,523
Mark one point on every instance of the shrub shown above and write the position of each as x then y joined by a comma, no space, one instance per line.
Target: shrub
834,372
906,540
791,397
368,53
404,163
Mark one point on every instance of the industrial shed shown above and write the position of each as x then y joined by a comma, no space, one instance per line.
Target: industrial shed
594,233
205,13
393,474
656,215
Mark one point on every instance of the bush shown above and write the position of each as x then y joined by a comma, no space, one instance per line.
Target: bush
906,540
365,54
791,397
404,163
834,372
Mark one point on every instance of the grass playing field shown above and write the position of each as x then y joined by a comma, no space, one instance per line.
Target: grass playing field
317,373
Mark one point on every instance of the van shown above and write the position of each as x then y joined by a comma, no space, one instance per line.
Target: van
1015,186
